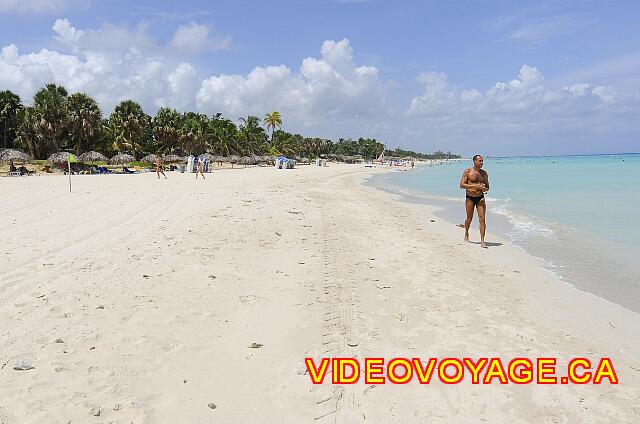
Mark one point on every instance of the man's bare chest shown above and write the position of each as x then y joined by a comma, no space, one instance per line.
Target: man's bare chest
476,177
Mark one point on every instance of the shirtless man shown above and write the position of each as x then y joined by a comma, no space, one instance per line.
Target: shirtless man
476,182
159,169
199,168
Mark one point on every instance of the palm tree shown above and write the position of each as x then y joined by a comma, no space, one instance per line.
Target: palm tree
166,128
84,121
273,120
127,123
285,143
223,136
194,133
27,137
10,106
50,111
252,135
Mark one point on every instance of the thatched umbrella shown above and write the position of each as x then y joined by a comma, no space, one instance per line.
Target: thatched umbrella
254,159
121,159
92,157
172,158
8,155
234,159
60,157
149,158
207,156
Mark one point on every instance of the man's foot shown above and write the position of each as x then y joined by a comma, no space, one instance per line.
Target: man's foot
466,238
483,245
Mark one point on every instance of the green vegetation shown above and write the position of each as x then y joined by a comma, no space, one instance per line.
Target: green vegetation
435,155
59,121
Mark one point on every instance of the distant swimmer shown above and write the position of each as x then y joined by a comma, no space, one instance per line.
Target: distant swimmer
476,182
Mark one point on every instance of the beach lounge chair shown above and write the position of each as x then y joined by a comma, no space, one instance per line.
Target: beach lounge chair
127,170
103,170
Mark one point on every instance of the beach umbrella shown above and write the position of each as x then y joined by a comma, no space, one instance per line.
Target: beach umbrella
149,158
63,158
234,159
60,157
173,158
121,159
207,156
8,155
92,157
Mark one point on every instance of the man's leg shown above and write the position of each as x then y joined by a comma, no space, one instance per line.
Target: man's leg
467,222
482,208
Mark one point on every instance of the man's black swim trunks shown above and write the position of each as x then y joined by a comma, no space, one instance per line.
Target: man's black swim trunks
475,199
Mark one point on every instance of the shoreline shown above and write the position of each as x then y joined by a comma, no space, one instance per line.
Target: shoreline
567,268
169,295
519,254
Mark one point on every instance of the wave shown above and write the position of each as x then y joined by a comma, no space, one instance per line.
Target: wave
523,226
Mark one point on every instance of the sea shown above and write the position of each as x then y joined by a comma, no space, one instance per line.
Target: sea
579,214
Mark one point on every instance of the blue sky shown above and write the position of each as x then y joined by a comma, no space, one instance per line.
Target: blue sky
495,77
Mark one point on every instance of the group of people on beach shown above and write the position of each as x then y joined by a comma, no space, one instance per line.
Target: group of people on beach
160,168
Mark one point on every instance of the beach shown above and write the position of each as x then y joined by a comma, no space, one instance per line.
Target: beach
140,300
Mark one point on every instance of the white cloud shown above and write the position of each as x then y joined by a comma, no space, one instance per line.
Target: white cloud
183,83
328,94
196,37
541,30
111,63
514,113
38,6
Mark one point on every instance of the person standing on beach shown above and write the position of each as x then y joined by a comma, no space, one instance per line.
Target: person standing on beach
159,169
199,169
475,181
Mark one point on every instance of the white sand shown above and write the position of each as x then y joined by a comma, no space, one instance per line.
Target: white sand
156,290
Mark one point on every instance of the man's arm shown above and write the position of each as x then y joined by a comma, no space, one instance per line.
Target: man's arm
486,179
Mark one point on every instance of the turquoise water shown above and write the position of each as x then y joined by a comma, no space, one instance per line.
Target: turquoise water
579,213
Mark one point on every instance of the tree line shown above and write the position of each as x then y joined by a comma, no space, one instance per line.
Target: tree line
59,121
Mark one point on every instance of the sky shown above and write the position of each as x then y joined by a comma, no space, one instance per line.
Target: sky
483,76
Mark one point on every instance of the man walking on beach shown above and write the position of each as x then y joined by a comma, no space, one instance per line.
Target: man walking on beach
200,168
159,169
476,182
